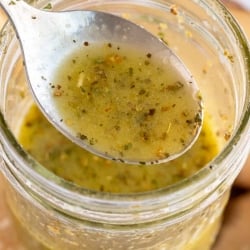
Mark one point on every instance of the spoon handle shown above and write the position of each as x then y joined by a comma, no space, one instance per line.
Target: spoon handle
30,24
20,13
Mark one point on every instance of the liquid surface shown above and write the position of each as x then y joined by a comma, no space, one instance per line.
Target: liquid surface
126,103
74,164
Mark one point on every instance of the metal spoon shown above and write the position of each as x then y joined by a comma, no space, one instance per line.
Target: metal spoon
47,38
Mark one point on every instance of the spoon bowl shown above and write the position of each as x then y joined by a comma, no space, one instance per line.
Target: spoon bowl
47,38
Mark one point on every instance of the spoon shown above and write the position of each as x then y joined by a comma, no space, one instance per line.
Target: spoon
47,38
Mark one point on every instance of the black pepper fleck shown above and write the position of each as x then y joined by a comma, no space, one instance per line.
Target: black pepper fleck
86,43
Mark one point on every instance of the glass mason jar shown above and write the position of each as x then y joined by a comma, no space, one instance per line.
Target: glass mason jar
57,214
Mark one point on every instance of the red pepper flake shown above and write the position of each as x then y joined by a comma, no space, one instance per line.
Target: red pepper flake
227,136
173,10
107,109
58,92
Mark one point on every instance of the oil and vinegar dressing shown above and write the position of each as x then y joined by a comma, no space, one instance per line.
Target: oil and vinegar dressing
72,163
126,103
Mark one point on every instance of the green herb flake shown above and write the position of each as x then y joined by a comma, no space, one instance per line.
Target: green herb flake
128,146
48,6
175,86
131,71
198,118
12,3
92,141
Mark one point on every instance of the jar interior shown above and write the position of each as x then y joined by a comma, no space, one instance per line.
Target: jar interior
206,46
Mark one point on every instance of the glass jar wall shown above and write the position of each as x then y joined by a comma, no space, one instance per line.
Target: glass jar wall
56,214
